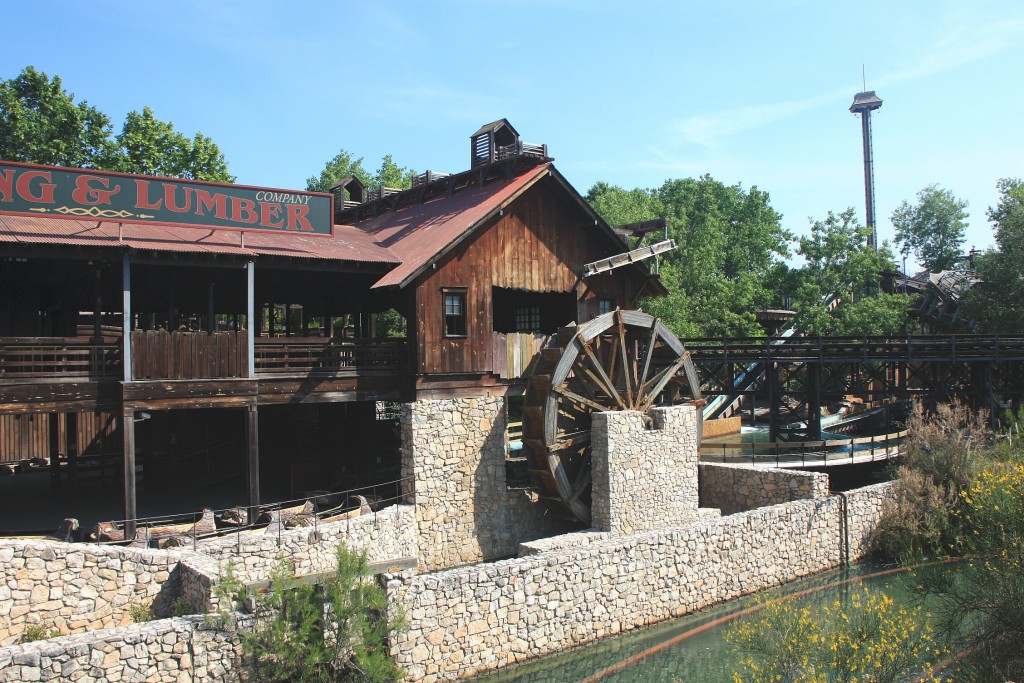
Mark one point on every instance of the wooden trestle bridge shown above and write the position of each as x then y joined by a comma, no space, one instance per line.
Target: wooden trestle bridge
802,374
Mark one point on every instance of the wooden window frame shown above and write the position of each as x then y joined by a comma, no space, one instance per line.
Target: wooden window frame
605,301
527,318
461,293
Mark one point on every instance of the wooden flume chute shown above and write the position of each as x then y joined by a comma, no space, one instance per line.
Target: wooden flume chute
622,360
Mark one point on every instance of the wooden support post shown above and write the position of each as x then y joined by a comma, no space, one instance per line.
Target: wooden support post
252,461
250,311
71,450
53,424
126,316
772,370
211,316
130,502
97,318
813,402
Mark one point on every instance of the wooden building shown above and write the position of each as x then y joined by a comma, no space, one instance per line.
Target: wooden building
234,343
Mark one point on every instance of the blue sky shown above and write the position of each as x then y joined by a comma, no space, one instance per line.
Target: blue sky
631,93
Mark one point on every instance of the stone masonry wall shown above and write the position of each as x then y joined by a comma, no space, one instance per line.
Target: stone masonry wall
179,650
385,535
467,620
453,451
644,478
76,587
72,588
735,488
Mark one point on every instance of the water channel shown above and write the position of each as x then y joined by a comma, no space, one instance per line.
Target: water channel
692,648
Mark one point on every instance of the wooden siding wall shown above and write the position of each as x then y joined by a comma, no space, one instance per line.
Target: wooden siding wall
27,435
538,245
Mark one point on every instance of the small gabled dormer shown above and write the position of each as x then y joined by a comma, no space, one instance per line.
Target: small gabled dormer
348,192
493,142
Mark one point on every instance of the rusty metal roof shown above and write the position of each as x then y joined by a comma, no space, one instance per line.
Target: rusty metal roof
347,244
422,233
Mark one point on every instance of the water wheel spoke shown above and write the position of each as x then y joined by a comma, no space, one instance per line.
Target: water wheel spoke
623,352
583,479
645,366
611,363
605,382
667,375
574,397
573,440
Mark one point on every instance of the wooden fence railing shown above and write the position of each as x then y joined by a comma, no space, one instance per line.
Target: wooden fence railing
805,453
306,354
158,354
61,357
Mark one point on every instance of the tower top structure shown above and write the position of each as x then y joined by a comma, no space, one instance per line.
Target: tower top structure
864,103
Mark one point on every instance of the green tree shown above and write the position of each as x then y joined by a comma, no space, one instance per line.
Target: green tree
391,174
835,292
152,147
933,229
997,302
344,164
41,123
729,241
341,166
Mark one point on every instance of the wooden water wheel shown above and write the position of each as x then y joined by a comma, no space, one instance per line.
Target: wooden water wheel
623,360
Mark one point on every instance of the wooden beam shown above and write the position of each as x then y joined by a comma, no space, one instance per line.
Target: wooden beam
71,450
619,260
252,461
250,312
126,316
130,501
53,424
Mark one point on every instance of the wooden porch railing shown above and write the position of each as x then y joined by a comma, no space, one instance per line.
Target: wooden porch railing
311,354
24,358
159,354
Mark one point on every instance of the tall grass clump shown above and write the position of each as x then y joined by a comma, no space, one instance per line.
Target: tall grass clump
939,456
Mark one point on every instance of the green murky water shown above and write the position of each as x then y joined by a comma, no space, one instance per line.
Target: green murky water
673,651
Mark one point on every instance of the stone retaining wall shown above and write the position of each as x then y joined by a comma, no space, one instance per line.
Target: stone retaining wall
467,620
735,488
178,650
74,587
77,587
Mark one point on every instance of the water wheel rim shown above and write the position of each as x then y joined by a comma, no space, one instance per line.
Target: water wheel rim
618,334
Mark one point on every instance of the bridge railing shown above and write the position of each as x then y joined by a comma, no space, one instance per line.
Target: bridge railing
805,453
964,347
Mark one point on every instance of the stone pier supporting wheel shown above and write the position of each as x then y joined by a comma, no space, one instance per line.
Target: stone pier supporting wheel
623,360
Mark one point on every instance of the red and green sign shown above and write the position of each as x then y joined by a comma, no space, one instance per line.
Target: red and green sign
57,192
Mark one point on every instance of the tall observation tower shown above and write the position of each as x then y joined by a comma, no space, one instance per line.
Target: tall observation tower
864,103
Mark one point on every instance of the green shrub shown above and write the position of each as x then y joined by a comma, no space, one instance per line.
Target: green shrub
980,603
141,612
34,632
181,607
867,638
336,630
